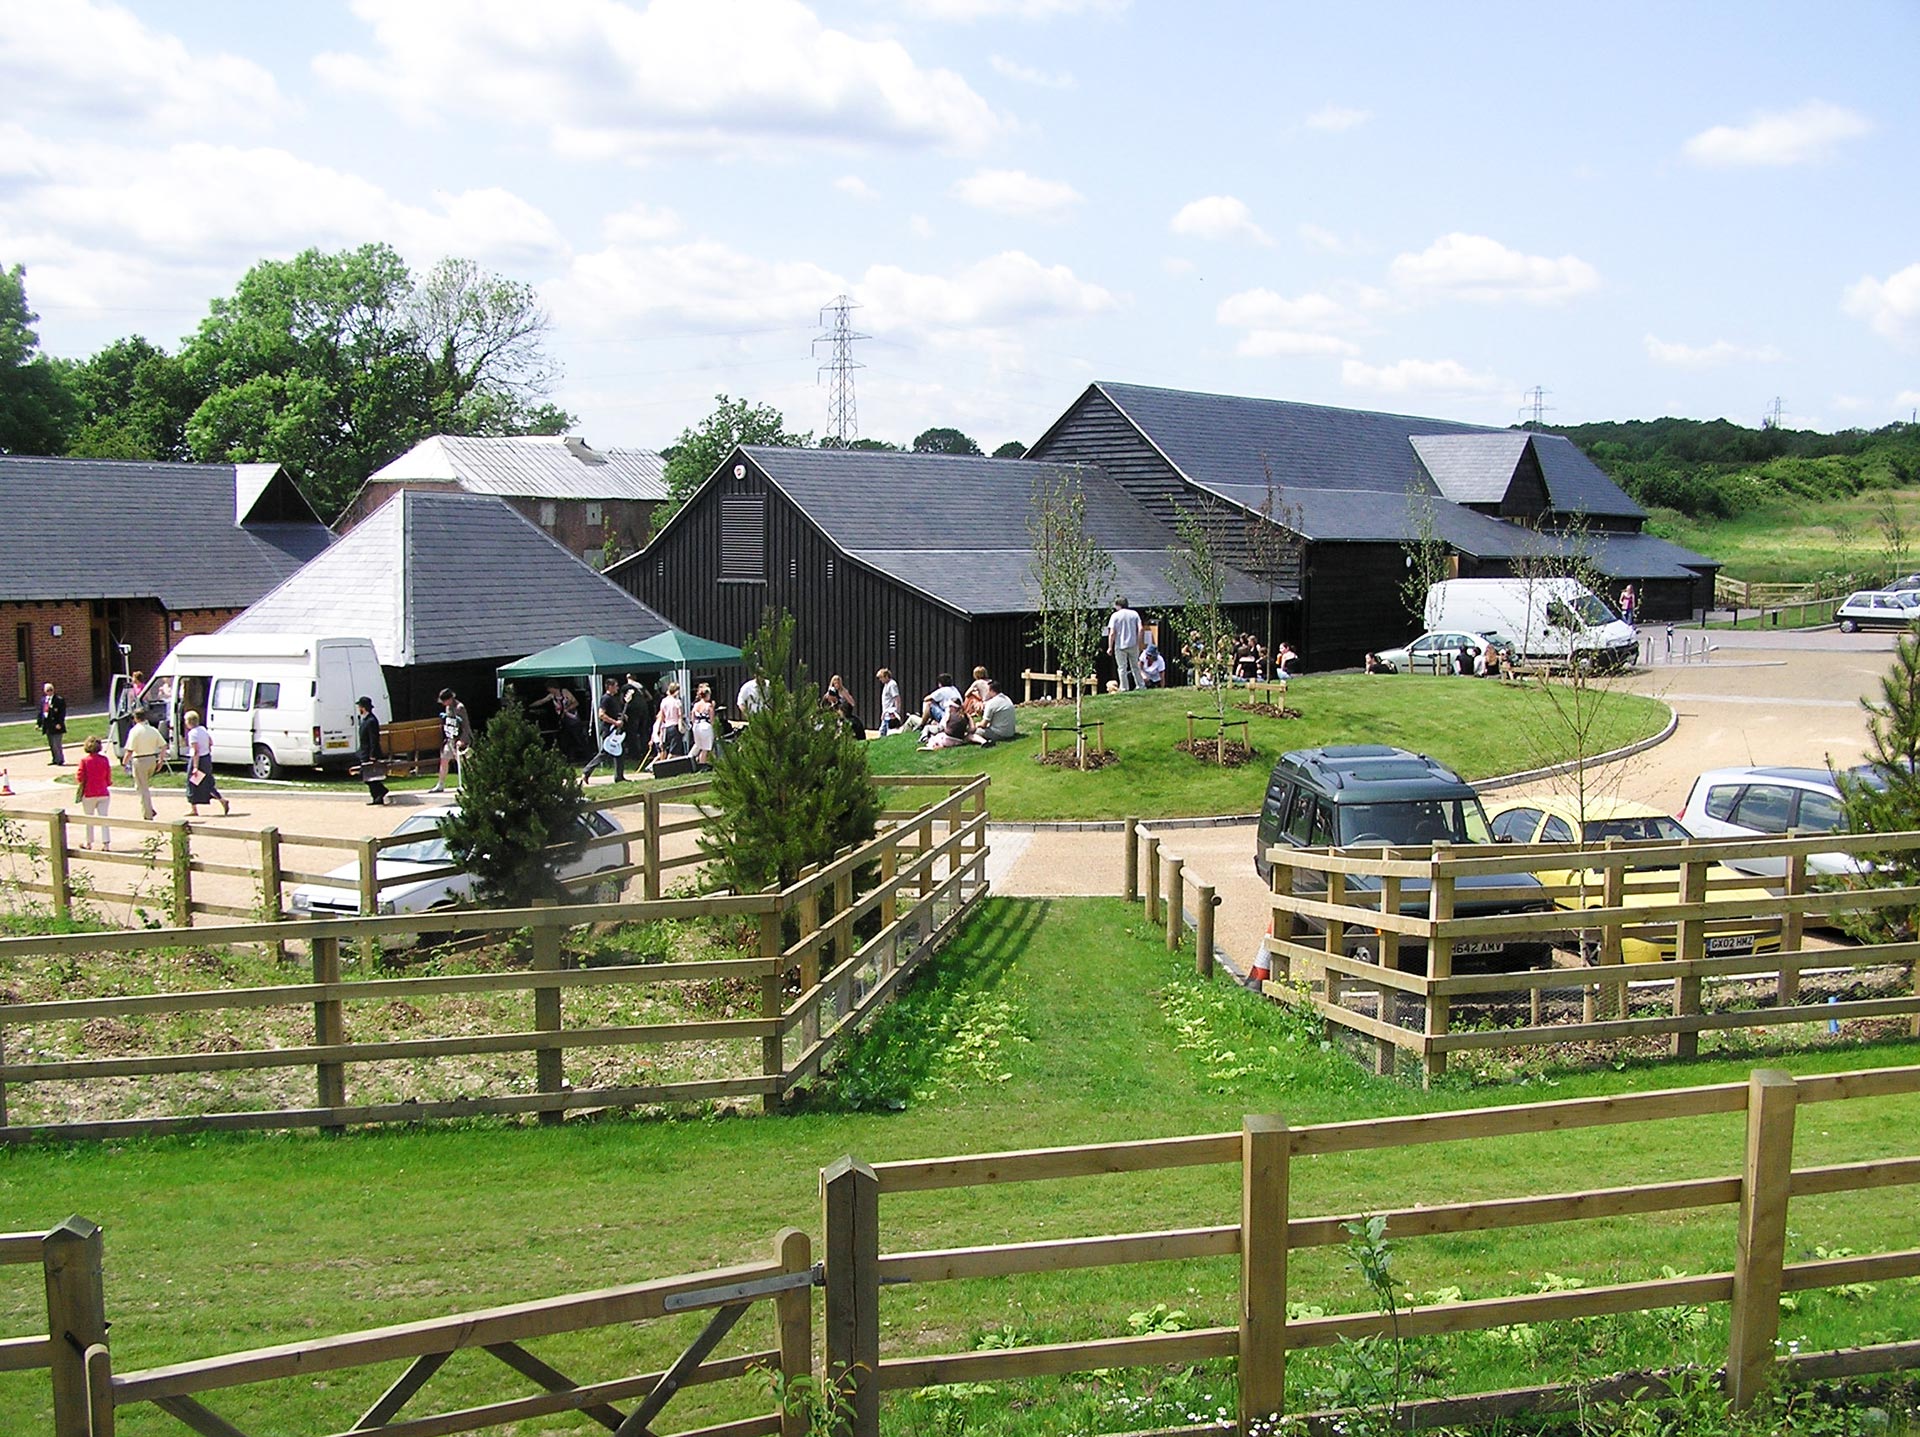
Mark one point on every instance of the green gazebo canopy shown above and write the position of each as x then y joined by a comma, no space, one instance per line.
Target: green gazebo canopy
584,655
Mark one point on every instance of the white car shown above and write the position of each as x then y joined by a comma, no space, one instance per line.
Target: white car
1879,609
1437,652
403,890
1771,803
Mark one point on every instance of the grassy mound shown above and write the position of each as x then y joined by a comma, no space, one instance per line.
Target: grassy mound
1478,728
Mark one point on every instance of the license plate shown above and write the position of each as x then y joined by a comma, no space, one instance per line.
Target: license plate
1732,943
1479,947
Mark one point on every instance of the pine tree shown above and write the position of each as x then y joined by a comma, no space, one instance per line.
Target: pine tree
1886,798
793,789
517,796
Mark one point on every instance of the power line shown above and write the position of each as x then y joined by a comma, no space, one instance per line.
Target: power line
1771,419
843,420
1536,406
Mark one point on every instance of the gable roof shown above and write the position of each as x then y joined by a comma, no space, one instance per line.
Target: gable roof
182,534
958,528
435,578
539,466
1227,443
1471,468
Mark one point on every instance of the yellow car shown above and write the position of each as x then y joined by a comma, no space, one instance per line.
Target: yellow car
1554,820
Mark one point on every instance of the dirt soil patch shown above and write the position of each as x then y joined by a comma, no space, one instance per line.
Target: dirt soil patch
1064,758
1210,750
1273,711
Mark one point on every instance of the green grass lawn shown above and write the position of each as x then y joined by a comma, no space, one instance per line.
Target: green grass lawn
1796,542
1479,728
1044,1023
80,728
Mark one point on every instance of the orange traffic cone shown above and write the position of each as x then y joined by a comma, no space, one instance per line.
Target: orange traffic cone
6,784
1262,965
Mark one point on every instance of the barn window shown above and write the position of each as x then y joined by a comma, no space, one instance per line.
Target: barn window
549,514
743,536
593,516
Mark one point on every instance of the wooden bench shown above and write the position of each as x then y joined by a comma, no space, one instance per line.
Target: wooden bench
405,741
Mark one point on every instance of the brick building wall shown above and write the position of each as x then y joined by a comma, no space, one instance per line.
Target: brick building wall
80,660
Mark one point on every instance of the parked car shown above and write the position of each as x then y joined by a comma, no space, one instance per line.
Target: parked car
422,875
1879,609
1770,803
1906,581
1438,651
1555,621
1369,795
1557,820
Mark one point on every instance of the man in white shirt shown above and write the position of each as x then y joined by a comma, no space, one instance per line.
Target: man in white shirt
746,703
933,708
1123,642
142,752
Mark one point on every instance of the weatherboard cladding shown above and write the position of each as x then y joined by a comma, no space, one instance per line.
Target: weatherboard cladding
434,578
99,528
531,466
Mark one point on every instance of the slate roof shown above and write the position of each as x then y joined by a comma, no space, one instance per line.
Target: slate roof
531,466
1471,468
127,529
955,527
1226,442
1643,556
436,578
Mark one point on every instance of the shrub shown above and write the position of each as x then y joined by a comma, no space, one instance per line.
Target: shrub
518,796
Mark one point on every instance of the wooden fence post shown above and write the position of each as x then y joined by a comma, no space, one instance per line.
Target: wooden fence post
890,904
1176,902
1132,890
1689,946
329,1029
1334,940
1151,863
1793,927
1439,962
1765,1184
773,990
550,1064
810,964
1263,1271
845,942
270,909
76,1319
650,849
793,1322
1204,902
1280,881
1385,1055
369,892
850,1203
1612,999
58,877
182,875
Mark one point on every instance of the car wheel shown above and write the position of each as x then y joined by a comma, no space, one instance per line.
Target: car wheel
1848,626
265,765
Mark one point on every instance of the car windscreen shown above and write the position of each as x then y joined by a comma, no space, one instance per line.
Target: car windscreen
1414,821
1633,830
429,847
1592,610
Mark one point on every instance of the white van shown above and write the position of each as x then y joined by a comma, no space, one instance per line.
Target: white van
1548,620
271,701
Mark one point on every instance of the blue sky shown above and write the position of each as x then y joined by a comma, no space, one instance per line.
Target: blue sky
1644,209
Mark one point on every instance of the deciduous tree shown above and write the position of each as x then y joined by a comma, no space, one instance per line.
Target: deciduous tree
35,408
944,441
698,451
132,400
1073,575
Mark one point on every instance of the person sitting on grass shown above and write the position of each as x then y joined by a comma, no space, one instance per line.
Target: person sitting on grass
998,719
954,728
933,708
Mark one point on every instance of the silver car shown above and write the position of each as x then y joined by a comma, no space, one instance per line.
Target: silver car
1435,652
1772,803
413,877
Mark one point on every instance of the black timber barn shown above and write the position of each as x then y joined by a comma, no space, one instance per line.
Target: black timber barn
1348,485
918,563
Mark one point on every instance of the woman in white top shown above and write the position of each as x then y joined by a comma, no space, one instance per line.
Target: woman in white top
200,786
703,727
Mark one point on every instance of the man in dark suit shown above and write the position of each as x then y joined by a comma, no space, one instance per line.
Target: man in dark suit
53,723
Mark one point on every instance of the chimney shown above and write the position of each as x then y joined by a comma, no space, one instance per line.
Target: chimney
583,451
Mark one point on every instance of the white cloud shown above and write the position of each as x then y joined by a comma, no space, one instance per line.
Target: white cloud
1175,265
967,10
195,204
1908,399
1278,325
641,224
1474,267
1799,136
1335,118
1708,356
1429,377
920,227
856,187
1029,75
1015,192
607,81
1890,306
1320,238
1007,289
1218,217
100,62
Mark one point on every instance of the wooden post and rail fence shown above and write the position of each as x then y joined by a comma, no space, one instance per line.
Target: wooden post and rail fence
1344,920
833,946
866,1357
1143,855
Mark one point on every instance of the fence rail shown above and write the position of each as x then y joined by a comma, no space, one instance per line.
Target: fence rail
831,947
858,1266
1384,942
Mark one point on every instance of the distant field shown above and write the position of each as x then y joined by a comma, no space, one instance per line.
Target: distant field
1796,542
